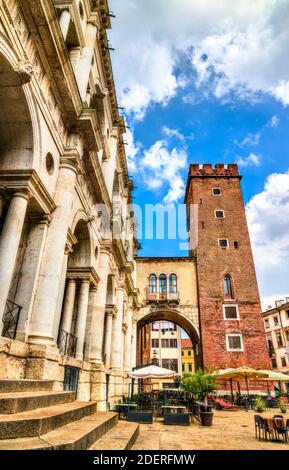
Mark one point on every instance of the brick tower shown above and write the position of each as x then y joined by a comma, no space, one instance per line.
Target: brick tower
232,330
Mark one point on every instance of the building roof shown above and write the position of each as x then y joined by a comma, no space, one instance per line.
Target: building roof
157,259
271,311
186,343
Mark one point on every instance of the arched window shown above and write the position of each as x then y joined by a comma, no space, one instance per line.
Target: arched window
153,283
173,284
163,284
228,286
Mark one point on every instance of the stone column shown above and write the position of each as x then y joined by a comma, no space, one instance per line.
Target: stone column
97,328
9,243
133,343
128,344
68,306
1,204
116,357
74,55
64,22
60,297
108,166
46,299
83,68
81,317
30,271
108,336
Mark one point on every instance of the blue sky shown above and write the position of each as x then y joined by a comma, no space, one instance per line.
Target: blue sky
207,82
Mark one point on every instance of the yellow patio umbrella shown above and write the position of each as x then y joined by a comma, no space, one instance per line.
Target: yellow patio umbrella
243,373
274,377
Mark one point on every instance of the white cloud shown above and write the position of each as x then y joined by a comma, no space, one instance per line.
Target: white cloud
251,160
274,121
173,133
281,92
234,46
268,218
132,150
162,167
251,140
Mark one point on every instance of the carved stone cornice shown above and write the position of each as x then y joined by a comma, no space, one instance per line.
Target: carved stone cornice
83,274
19,180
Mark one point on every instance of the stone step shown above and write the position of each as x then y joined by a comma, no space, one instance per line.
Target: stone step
121,437
25,401
25,385
43,420
79,435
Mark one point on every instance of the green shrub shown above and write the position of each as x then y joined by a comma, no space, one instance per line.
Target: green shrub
259,404
199,384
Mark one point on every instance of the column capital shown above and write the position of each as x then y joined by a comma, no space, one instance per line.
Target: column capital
24,193
111,309
70,160
40,219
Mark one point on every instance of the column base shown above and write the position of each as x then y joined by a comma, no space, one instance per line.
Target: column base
42,340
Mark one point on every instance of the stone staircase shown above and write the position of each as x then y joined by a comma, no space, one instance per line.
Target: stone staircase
34,416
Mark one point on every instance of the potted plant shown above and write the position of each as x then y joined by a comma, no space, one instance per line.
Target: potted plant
282,405
259,405
200,385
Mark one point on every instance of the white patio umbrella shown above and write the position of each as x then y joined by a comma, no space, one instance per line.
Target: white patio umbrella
152,372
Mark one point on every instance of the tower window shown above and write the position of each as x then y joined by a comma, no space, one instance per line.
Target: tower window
216,192
219,214
236,245
231,312
223,242
234,342
228,286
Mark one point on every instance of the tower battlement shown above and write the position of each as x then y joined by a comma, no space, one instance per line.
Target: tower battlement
220,169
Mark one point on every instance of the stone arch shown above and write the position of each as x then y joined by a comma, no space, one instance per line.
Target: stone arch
174,316
82,252
19,127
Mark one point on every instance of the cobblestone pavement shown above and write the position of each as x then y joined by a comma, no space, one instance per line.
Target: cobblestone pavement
231,430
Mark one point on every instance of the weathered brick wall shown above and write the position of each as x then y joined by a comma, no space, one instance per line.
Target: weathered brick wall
213,263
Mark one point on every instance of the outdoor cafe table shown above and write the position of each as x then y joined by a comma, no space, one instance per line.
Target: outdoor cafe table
271,423
174,408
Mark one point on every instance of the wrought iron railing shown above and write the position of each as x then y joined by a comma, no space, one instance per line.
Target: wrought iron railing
10,319
66,343
158,296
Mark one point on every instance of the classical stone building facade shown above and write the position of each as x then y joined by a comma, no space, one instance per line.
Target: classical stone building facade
72,292
67,233
276,322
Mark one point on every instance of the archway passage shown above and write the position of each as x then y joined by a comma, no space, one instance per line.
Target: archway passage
159,341
16,135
